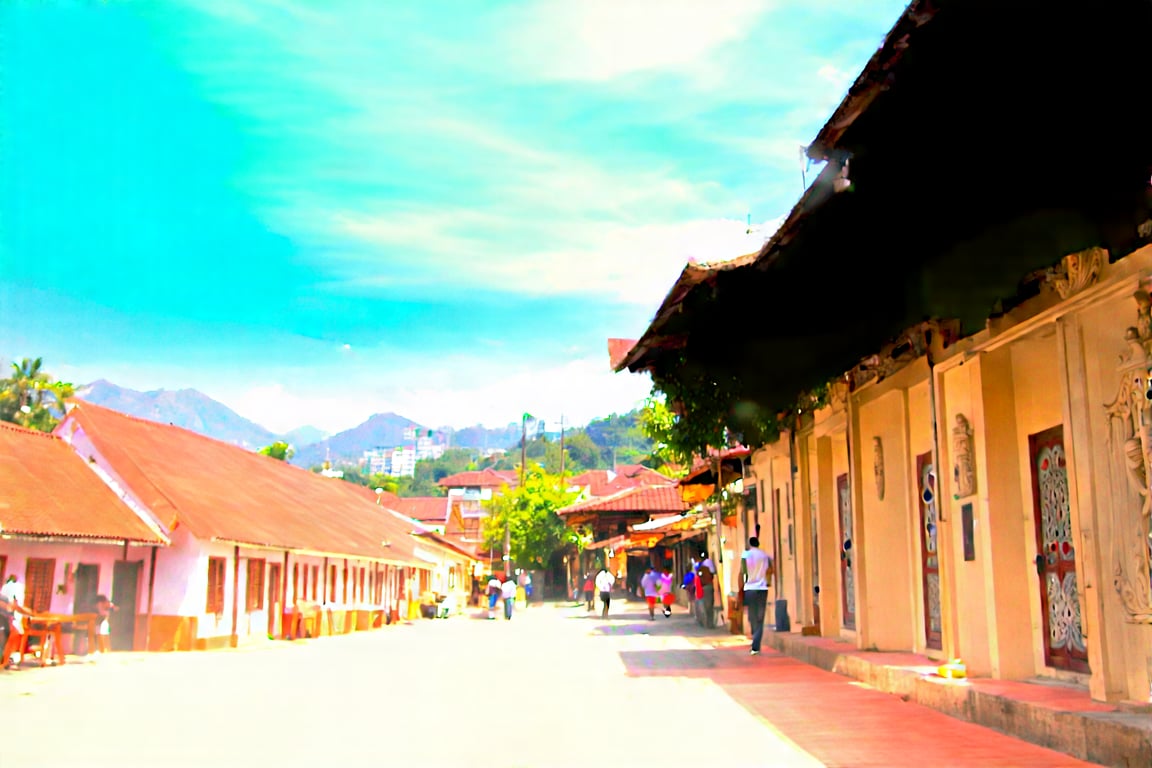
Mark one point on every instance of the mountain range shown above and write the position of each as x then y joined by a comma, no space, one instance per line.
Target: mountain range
193,410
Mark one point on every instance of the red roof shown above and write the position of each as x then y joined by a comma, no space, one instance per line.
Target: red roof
485,478
618,349
650,499
605,482
222,492
426,509
47,490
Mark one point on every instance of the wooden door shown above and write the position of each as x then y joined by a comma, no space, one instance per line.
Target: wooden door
929,553
847,572
273,602
125,584
1064,644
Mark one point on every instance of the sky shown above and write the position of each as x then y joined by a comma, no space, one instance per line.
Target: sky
316,211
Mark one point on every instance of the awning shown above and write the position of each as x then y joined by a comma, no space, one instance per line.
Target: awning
616,542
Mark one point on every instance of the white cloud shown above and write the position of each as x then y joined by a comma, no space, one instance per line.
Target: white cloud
598,40
491,393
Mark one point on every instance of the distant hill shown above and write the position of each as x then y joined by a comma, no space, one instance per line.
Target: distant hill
302,436
483,438
382,430
186,408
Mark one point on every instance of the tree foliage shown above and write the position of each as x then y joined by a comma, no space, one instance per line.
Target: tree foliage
536,532
279,450
31,397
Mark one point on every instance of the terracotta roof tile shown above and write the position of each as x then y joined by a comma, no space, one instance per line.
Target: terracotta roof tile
426,509
223,492
650,499
605,482
47,490
485,478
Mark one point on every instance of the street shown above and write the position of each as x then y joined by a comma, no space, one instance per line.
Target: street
553,687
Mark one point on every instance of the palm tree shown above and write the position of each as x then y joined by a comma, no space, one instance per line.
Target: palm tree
32,398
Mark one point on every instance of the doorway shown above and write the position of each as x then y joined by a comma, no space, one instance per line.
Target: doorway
125,583
274,612
1064,643
87,584
929,552
847,573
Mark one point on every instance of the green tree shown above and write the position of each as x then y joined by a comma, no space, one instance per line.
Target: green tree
659,424
279,450
536,532
584,453
32,398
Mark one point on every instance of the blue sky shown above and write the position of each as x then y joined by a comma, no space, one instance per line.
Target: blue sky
316,211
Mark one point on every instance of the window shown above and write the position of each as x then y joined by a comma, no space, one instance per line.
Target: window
332,584
38,577
255,596
315,582
296,582
217,572
360,594
345,601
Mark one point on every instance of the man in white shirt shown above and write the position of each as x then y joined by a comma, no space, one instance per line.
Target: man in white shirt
12,603
508,592
756,567
604,582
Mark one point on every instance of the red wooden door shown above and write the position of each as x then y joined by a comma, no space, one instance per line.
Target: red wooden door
929,553
274,611
1064,644
847,572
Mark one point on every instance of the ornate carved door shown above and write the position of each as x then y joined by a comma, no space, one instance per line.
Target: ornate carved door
847,573
1064,645
929,554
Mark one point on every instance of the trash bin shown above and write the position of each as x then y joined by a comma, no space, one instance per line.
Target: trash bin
782,622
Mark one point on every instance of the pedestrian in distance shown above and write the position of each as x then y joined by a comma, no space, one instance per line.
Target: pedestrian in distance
688,584
664,581
604,582
706,576
589,591
12,603
508,592
493,595
104,609
650,583
756,569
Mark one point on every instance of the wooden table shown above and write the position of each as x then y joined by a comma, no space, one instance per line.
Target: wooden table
50,628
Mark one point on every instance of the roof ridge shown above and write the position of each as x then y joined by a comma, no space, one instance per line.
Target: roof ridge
18,429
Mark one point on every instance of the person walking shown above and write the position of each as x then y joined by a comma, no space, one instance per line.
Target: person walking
664,583
508,592
756,568
706,576
493,595
604,582
688,584
589,591
649,582
104,608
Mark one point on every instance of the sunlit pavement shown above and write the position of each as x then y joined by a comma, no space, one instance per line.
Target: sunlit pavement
555,686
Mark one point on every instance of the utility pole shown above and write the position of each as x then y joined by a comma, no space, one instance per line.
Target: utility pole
561,451
507,529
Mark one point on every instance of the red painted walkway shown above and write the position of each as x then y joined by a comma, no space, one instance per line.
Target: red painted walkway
837,720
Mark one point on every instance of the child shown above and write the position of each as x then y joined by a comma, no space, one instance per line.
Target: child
104,608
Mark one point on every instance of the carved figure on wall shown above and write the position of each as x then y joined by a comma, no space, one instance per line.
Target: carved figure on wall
1077,271
878,466
1130,417
964,462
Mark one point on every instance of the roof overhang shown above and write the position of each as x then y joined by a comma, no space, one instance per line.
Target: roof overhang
973,151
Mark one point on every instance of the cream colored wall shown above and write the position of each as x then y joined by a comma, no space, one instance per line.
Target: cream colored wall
1108,509
966,580
1038,406
887,548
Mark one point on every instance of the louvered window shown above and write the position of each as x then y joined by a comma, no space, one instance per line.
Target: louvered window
38,577
217,573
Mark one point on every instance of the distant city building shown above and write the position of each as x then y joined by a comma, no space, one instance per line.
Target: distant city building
401,460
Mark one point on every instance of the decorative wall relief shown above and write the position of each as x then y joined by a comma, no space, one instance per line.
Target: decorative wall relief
1130,436
1077,271
878,466
964,461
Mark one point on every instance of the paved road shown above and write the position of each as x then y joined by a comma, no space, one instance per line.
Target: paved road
553,687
